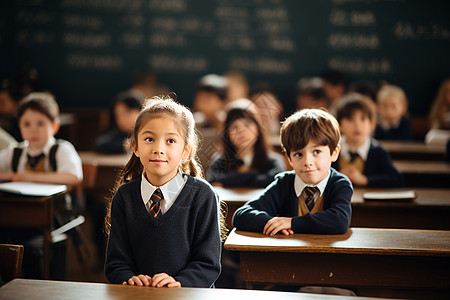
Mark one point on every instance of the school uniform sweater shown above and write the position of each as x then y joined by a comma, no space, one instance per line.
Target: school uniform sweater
403,131
280,199
184,242
378,167
219,172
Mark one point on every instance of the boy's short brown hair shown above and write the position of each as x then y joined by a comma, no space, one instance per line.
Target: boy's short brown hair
353,102
309,125
42,102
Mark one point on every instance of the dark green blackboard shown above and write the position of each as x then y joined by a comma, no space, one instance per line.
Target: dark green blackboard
87,50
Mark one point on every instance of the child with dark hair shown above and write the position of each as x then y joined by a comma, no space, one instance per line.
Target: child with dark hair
125,111
209,99
246,159
362,158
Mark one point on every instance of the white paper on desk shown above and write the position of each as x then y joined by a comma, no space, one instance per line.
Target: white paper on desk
394,195
32,189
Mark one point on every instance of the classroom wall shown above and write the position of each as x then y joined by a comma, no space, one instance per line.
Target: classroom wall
87,50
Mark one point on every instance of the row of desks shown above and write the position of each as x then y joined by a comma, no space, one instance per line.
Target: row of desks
20,289
409,262
430,210
403,150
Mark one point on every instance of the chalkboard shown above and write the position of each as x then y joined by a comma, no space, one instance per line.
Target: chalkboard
87,50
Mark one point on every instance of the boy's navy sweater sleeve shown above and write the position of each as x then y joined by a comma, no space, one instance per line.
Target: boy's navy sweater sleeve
218,172
184,242
279,199
379,168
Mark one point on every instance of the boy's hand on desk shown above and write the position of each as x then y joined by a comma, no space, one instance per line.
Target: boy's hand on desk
355,176
162,279
278,224
140,280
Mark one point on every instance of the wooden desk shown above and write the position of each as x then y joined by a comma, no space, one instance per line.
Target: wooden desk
430,210
363,257
108,166
19,289
414,150
19,211
424,173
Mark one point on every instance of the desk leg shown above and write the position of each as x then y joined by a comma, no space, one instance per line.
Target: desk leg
47,239
47,254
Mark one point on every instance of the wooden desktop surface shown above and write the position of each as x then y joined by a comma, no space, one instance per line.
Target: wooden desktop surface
420,173
414,150
19,289
19,211
362,257
402,150
430,209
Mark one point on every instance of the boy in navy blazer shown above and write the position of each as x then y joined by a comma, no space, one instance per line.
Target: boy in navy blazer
363,159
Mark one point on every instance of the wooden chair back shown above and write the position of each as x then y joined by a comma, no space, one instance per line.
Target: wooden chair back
11,257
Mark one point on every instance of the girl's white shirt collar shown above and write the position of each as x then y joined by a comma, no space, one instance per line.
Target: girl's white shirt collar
362,151
170,190
299,185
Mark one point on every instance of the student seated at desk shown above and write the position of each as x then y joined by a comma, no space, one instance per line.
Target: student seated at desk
246,159
163,220
314,198
362,158
126,108
40,158
393,122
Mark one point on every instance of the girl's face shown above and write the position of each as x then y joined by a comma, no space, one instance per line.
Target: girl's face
356,129
125,117
391,109
160,147
243,134
36,128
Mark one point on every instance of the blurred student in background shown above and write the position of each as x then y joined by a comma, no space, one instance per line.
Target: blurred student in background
393,122
124,113
439,116
246,159
9,101
362,158
311,93
209,99
238,86
269,107
40,158
335,84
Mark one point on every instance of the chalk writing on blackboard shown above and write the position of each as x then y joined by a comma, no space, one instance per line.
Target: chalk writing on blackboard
353,41
408,31
93,61
172,63
357,65
82,21
352,18
87,40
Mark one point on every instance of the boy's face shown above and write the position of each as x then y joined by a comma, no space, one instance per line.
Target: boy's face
207,103
36,128
356,129
391,109
313,162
